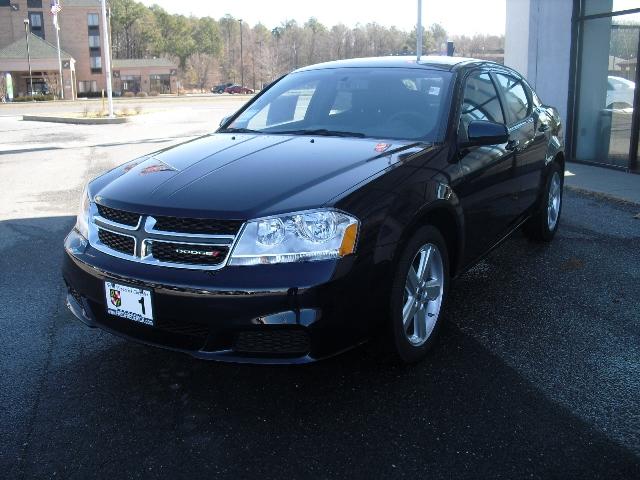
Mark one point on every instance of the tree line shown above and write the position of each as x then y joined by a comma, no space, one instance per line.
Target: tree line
208,50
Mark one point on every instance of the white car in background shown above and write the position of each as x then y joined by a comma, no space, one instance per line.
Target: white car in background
620,92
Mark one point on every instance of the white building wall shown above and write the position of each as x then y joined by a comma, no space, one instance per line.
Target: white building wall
538,45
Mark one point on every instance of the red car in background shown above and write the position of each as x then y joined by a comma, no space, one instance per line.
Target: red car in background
237,89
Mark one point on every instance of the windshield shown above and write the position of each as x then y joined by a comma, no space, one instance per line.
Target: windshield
394,103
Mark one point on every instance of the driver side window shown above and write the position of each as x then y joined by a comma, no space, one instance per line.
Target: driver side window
480,102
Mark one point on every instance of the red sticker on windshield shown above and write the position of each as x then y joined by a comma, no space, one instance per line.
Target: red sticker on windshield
381,147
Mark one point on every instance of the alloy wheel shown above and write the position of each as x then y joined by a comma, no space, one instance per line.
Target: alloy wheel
423,294
554,201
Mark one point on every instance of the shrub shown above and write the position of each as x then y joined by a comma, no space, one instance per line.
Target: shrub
142,94
128,94
37,98
155,93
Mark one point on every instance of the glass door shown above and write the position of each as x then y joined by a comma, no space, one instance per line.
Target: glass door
606,128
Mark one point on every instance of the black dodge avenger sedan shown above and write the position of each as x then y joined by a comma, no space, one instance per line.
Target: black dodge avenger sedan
336,206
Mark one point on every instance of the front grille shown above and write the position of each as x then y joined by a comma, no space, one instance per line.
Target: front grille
189,254
277,342
115,241
197,225
119,216
182,327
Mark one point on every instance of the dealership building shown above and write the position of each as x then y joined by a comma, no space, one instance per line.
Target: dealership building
582,56
82,55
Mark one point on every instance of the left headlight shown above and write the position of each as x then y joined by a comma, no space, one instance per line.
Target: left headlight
82,222
297,237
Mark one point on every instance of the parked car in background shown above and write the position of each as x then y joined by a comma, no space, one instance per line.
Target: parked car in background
620,92
238,89
220,88
337,205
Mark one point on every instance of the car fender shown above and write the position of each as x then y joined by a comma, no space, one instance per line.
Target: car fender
439,207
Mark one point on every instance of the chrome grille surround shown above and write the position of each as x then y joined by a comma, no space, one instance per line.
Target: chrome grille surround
144,235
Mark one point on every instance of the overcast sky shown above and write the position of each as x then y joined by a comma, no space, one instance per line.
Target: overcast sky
457,16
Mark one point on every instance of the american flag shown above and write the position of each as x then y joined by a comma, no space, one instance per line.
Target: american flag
56,8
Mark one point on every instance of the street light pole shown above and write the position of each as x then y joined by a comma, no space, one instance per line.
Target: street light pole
107,55
26,36
419,31
241,58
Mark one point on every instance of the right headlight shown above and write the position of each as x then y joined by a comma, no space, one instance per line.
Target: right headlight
297,237
82,222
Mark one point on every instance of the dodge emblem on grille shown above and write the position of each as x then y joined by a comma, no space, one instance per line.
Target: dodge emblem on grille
205,253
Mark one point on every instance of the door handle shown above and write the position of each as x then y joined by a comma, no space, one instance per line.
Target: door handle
512,145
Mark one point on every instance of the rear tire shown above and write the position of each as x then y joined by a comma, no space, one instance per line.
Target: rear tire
418,291
543,225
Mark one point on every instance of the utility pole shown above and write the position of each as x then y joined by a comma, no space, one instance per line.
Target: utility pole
26,36
55,9
419,31
106,54
241,58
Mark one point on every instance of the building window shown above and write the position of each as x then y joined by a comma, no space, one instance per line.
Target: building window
87,86
5,3
131,83
96,64
35,22
34,3
93,19
94,41
160,83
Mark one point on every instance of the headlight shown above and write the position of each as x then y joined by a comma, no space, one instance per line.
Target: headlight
297,237
82,222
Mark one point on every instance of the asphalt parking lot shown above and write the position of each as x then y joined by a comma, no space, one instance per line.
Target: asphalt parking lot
537,374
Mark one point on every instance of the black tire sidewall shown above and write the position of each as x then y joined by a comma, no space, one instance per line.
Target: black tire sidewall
401,346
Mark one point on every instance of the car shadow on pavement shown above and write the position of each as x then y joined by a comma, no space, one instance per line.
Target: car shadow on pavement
100,406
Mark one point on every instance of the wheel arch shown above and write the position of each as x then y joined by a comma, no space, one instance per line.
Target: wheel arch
445,217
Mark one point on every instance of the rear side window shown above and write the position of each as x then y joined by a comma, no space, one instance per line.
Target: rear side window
517,102
480,102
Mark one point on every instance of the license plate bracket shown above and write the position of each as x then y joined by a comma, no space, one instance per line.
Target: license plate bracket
129,302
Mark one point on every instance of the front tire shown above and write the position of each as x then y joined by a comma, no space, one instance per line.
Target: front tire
418,291
543,225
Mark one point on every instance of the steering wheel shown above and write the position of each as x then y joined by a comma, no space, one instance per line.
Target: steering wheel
410,119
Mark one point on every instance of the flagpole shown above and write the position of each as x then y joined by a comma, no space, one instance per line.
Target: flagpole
107,55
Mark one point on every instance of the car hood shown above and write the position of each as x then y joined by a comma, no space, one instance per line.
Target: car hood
244,176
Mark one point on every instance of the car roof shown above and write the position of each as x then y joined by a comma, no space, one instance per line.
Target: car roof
427,61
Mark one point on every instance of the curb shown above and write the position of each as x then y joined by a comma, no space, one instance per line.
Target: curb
75,121
601,195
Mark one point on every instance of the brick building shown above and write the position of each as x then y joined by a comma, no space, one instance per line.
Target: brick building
81,39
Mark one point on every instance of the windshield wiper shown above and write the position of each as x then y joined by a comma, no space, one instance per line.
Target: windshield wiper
238,130
322,132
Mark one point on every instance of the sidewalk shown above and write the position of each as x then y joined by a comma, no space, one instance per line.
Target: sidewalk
603,181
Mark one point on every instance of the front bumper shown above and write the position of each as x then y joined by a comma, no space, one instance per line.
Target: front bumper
288,313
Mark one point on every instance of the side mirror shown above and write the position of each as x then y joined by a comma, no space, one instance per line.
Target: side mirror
224,120
484,132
